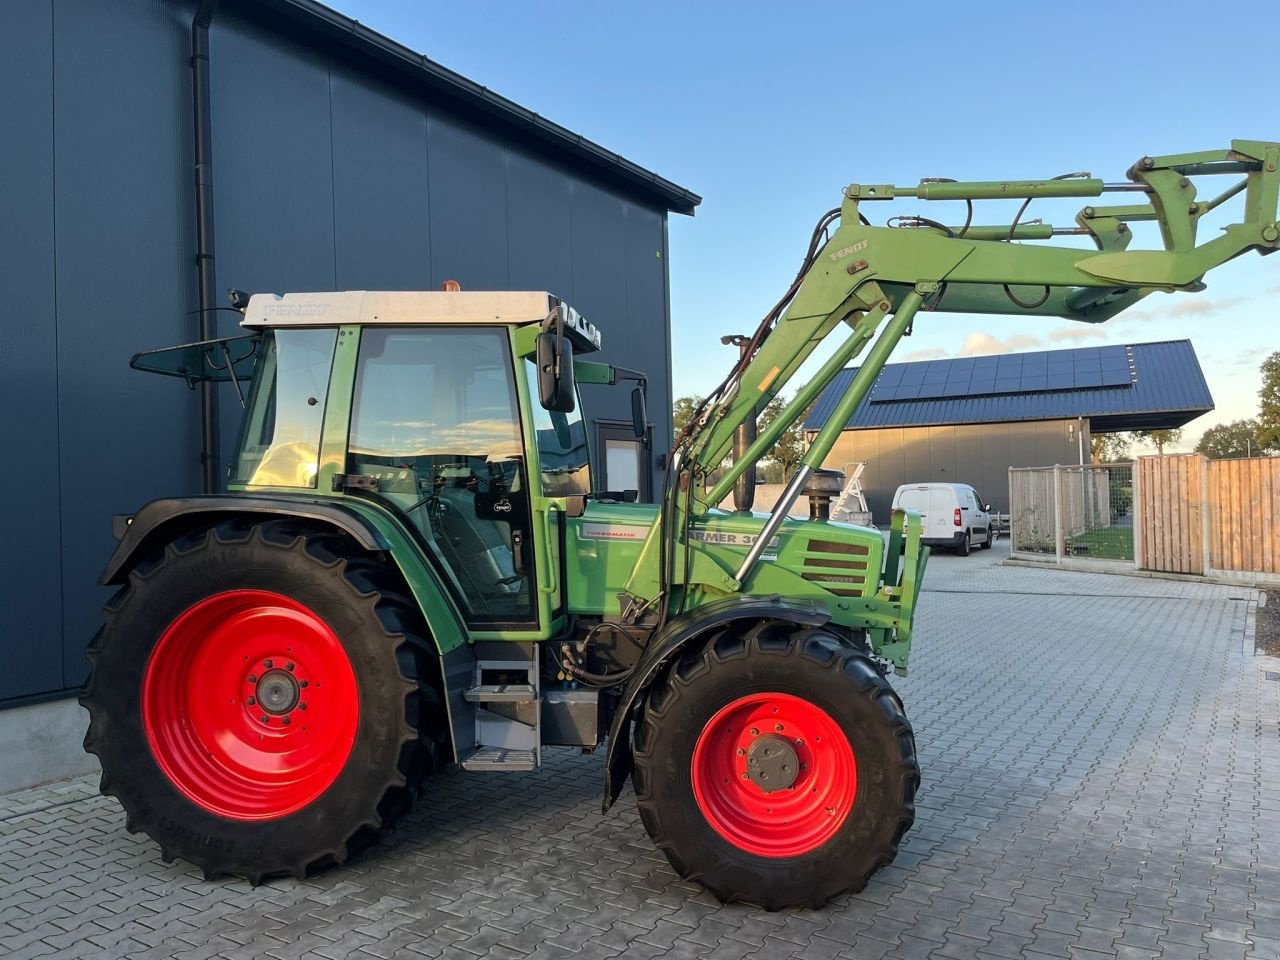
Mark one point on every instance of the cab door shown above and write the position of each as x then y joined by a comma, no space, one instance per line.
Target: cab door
435,423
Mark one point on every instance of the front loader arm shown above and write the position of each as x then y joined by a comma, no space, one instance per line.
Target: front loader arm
874,279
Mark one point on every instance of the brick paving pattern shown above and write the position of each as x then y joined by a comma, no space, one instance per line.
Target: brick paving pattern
1101,762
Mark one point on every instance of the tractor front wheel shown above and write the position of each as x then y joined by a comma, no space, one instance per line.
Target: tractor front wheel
774,765
258,699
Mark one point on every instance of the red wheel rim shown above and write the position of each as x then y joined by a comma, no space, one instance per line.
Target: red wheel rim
250,705
801,741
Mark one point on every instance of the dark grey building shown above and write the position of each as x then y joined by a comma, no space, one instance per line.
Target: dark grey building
341,160
969,420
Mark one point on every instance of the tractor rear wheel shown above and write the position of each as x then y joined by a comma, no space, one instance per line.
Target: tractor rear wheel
775,765
258,699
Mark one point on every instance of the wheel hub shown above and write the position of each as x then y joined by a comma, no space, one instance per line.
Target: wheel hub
277,692
772,763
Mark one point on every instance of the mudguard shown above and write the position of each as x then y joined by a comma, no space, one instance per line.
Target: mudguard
667,644
157,520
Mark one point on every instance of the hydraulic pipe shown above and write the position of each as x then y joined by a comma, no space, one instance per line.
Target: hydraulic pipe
780,511
1005,190
205,275
1223,197
744,491
1024,231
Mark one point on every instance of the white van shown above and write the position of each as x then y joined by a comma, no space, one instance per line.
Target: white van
953,514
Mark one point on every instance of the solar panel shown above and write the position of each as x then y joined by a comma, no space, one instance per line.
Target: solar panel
1079,369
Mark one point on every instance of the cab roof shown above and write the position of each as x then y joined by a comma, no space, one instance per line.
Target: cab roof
378,307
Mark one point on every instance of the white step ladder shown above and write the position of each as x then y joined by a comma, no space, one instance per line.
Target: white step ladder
851,505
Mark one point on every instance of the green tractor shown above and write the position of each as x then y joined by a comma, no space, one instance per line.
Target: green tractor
411,566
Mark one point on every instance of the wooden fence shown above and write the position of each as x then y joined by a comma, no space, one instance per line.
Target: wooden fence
1244,514
1170,525
1196,515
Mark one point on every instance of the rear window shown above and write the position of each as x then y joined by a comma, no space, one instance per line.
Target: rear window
280,434
914,498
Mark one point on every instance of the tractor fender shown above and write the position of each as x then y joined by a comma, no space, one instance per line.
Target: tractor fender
159,520
667,645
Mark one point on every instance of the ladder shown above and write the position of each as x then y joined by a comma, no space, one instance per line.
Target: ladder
851,505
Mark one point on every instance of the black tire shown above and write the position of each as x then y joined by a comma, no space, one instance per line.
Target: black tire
363,602
991,538
963,547
770,659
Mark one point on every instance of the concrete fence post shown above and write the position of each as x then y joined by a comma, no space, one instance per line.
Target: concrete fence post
1059,537
1135,510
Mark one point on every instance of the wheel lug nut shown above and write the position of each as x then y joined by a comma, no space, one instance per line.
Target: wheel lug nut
264,718
251,701
777,727
302,706
253,678
268,664
286,721
304,683
755,732
745,777
289,666
741,751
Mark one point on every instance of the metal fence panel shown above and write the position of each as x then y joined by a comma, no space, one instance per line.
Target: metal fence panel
1072,511
1032,514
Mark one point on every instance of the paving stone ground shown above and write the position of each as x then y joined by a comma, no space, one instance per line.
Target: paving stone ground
1101,763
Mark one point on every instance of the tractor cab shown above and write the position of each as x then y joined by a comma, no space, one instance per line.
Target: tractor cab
455,412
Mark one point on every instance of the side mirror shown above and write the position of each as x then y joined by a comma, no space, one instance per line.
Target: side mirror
986,508
554,356
639,419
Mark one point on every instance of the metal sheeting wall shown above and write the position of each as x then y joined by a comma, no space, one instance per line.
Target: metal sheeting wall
976,454
324,178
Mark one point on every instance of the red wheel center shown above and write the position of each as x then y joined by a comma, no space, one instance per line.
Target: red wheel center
774,775
250,705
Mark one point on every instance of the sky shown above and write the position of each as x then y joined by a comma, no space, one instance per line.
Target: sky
768,110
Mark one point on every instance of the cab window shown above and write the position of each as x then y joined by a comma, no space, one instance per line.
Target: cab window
562,445
280,434
435,421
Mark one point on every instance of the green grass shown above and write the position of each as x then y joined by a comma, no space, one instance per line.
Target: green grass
1106,543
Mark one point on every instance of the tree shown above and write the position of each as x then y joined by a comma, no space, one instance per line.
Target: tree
791,446
1230,440
1158,438
1269,403
1108,447
682,412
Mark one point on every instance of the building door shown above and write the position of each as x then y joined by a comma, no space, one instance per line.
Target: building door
625,460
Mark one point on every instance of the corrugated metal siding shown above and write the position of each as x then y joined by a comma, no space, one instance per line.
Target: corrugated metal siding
30,574
122,188
977,454
1169,389
381,202
324,178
